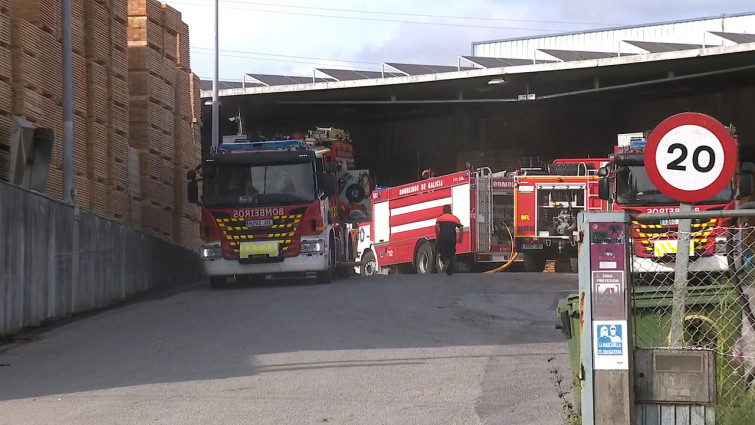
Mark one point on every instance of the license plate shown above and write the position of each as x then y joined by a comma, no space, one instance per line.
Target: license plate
670,222
662,248
259,223
532,246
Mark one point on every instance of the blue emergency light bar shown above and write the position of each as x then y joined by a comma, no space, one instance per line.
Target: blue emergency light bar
638,143
247,145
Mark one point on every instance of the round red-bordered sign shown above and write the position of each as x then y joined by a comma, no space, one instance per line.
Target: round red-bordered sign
690,157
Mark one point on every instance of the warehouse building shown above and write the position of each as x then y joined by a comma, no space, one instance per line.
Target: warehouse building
564,95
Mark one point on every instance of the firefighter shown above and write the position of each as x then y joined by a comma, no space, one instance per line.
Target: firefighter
445,232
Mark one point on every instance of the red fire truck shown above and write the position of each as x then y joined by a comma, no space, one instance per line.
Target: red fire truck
401,233
626,185
272,207
547,201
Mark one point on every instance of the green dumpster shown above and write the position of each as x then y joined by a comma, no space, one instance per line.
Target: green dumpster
713,319
568,315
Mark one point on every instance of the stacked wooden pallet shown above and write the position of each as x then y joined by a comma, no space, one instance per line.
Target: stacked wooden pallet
5,88
162,117
100,93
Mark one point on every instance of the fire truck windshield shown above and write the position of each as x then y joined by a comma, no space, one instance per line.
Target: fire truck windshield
633,188
284,184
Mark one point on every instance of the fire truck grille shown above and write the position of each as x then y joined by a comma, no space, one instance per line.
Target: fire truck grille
236,230
648,234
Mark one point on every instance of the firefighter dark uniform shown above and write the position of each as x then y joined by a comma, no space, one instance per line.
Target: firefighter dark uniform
445,231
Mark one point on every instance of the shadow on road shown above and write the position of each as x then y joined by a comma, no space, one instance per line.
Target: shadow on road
206,334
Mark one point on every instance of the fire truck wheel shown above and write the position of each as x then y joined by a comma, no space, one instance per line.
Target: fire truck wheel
369,264
424,261
534,262
217,282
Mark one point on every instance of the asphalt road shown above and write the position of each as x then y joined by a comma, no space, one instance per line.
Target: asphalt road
466,349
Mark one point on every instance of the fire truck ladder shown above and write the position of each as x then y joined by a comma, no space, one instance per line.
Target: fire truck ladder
589,192
484,209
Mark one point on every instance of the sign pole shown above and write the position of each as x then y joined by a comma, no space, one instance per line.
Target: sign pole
679,302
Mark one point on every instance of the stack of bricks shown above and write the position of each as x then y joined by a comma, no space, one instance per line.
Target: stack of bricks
162,120
5,88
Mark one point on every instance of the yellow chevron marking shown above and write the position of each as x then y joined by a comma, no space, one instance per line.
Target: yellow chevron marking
225,220
288,240
269,248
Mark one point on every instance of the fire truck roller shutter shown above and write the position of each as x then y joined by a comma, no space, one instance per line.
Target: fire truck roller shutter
381,220
460,204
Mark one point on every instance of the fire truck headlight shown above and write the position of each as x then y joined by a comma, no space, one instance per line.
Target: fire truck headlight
721,245
210,252
312,247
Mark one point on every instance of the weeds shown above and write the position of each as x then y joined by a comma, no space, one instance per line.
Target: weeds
568,413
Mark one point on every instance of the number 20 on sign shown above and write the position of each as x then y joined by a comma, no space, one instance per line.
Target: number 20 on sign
690,157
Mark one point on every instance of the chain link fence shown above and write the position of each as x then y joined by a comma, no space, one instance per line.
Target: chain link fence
712,309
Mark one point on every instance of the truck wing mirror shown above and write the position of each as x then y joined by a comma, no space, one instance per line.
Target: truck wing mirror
191,175
192,192
745,178
602,172
604,189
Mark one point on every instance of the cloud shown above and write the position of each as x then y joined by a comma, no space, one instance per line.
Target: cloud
303,41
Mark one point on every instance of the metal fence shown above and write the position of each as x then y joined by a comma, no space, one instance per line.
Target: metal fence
57,260
710,309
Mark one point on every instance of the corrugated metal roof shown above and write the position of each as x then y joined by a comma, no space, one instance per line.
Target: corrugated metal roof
624,27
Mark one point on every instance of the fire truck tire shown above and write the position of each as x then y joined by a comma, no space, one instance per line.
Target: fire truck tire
424,261
369,264
217,282
534,262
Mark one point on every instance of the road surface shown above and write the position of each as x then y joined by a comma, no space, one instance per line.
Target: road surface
465,349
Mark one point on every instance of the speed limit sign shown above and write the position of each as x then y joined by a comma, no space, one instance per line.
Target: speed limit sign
690,157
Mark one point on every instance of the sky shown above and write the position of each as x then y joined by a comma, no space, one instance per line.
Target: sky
292,37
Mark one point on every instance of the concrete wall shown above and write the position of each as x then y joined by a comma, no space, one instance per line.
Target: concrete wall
57,260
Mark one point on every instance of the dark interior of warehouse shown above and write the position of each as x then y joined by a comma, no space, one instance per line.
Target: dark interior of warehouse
399,130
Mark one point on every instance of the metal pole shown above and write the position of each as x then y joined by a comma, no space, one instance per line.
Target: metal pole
679,302
67,105
215,104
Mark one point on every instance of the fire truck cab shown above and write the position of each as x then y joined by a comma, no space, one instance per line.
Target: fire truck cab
272,207
626,186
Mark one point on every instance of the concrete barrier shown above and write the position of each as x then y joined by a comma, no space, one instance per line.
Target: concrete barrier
57,260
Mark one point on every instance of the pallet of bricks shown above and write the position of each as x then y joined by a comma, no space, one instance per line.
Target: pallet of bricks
100,114
161,128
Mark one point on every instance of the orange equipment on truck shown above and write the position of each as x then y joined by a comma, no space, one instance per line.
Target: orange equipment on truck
401,233
547,201
272,207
